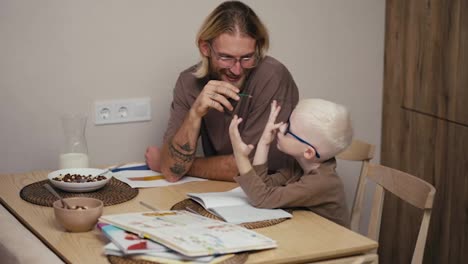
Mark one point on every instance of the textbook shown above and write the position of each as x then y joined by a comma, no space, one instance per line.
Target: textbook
190,234
234,207
167,257
129,243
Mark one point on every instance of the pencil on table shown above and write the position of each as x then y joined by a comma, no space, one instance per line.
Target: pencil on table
149,206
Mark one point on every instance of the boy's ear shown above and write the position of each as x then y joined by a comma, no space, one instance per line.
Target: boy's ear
309,153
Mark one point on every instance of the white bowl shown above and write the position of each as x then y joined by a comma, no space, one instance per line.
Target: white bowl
79,186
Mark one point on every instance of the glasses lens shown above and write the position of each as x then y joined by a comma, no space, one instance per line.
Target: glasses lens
245,63
226,62
248,63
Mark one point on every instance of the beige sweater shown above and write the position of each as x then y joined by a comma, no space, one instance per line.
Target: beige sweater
319,190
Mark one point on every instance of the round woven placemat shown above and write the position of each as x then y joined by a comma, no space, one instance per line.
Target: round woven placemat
114,192
239,258
188,203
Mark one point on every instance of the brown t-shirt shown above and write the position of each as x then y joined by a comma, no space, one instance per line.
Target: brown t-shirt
320,190
270,80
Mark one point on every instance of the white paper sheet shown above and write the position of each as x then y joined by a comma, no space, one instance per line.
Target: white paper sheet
148,178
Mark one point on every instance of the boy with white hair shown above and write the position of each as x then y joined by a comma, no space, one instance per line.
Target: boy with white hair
315,133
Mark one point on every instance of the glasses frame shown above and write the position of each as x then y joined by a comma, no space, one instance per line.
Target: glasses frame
226,59
288,131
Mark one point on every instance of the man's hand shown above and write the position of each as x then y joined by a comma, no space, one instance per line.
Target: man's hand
215,95
239,148
271,128
153,158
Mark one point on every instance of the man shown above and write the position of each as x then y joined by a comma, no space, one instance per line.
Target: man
234,77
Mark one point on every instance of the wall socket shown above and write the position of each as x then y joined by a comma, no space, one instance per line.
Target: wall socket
122,111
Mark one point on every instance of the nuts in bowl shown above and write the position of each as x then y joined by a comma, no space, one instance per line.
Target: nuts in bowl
83,215
79,179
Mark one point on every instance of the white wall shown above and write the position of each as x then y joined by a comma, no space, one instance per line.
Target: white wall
59,56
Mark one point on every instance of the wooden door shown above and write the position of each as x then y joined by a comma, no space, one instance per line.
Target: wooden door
425,125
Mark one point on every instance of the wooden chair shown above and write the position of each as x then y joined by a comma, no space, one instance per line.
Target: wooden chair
410,189
407,187
363,152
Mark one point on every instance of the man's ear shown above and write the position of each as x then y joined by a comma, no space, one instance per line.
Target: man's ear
309,153
204,48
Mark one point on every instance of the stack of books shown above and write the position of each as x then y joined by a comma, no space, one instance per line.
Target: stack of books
178,235
126,244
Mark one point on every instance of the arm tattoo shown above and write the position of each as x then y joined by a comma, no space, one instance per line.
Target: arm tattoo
181,158
179,155
178,169
186,147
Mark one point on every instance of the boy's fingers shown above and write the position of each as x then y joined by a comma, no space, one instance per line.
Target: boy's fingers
233,121
235,124
278,125
277,110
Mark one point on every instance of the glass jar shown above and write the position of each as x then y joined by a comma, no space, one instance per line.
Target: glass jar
74,152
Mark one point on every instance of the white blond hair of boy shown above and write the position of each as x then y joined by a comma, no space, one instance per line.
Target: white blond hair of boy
325,120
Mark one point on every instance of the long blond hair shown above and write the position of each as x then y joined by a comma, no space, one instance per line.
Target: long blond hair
231,17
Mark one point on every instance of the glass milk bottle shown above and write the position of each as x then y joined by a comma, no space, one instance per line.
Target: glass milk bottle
74,152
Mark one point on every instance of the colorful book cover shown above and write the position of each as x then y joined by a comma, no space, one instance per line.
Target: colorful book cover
129,243
169,257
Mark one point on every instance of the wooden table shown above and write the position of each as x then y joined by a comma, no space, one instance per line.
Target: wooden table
304,238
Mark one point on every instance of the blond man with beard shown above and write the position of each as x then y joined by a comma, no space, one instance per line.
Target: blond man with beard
234,77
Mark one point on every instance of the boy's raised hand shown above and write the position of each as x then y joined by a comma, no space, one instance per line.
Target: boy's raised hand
271,128
239,148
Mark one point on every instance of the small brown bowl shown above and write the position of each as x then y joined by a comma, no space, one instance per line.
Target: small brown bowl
78,220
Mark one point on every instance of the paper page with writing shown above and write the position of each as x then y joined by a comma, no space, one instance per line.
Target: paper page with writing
190,234
145,178
234,207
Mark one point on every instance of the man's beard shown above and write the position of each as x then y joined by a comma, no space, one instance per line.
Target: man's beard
217,74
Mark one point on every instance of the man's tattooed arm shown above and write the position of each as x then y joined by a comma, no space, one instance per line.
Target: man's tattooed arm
178,152
183,156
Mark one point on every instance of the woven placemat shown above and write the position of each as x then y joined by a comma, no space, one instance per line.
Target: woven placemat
189,203
114,192
239,258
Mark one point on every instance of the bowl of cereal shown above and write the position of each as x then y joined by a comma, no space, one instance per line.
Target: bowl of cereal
82,215
79,179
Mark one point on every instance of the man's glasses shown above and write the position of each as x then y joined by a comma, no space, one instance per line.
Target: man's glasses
288,131
227,62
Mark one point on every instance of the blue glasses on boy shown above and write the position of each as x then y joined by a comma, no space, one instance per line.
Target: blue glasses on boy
288,131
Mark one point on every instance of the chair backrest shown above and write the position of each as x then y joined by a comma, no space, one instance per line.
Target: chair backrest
363,152
410,189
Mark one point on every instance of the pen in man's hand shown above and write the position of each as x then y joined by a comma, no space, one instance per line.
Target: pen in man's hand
244,95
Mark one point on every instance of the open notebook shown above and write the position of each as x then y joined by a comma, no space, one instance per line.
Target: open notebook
234,207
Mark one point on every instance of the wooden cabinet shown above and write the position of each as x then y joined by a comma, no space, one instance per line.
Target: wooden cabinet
425,125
